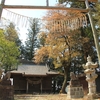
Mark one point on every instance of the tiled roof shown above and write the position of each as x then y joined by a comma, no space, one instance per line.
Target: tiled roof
33,70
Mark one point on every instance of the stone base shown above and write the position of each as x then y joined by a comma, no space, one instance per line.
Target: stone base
92,96
75,92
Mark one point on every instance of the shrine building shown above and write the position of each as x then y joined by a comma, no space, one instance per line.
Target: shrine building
31,78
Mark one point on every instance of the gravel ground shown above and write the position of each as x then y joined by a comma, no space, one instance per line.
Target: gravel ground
46,97
41,97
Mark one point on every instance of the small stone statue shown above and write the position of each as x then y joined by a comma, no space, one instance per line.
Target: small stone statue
7,76
73,76
6,79
74,80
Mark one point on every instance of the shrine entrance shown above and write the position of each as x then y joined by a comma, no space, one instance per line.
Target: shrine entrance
34,88
34,85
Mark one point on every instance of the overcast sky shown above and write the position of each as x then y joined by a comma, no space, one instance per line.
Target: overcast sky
34,13
30,12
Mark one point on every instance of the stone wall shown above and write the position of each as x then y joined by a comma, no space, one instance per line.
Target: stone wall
6,90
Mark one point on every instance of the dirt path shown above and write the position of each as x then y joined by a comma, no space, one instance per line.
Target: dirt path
46,97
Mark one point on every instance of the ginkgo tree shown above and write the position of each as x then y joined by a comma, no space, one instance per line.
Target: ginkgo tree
61,43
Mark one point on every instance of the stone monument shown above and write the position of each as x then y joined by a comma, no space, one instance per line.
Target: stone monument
75,89
90,77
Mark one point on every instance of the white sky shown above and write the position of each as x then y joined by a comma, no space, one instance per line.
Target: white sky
34,13
29,12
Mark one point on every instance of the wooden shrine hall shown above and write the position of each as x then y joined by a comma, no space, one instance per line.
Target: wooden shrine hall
29,78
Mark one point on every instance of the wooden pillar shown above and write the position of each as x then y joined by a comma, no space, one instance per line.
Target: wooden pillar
96,39
54,85
47,2
1,7
41,86
27,87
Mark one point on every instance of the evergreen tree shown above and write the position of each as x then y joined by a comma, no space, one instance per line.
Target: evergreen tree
32,43
11,33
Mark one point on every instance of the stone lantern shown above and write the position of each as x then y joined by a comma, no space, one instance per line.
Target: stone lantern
90,76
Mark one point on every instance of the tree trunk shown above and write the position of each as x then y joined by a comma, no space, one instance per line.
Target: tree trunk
66,69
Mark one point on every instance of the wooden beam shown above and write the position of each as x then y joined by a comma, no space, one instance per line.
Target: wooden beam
95,35
42,7
1,7
93,0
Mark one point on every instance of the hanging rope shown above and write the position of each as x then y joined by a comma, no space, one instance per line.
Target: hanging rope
57,22
17,18
34,81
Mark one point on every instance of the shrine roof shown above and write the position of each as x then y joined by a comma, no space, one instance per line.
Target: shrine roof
34,70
